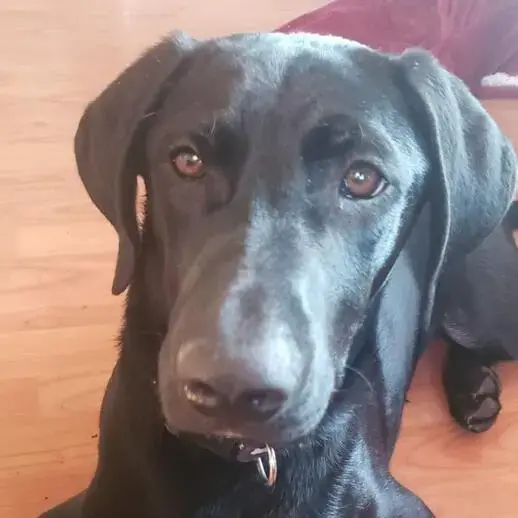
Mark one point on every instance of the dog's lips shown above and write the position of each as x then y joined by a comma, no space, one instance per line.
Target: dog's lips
228,445
235,439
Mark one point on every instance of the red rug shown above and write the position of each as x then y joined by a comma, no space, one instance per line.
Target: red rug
475,39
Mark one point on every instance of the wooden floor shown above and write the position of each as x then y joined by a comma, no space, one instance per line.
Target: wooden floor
57,318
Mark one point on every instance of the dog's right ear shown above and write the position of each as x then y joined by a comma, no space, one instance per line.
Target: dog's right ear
105,143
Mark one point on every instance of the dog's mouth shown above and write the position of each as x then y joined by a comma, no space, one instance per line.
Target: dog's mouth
227,445
235,449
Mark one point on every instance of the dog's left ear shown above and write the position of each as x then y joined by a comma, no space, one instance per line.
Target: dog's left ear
474,167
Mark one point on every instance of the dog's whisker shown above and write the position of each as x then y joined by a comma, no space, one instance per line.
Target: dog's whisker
362,376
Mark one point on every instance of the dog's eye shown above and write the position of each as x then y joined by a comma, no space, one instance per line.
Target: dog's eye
187,163
362,181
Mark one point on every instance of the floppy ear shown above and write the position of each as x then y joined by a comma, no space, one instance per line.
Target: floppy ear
474,168
106,151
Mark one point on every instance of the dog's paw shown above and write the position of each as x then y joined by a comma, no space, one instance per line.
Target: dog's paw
473,392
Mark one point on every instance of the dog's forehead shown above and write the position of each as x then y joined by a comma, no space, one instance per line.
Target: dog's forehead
262,72
275,58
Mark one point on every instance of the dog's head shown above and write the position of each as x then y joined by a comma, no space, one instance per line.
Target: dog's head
282,174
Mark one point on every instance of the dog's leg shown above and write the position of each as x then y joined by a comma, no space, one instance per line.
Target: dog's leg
472,387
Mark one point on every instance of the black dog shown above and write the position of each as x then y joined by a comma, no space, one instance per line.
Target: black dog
305,195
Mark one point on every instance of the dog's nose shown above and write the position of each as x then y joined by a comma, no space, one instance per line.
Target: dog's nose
252,404
238,389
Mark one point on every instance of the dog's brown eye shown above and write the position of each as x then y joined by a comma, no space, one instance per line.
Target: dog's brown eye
187,163
362,181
